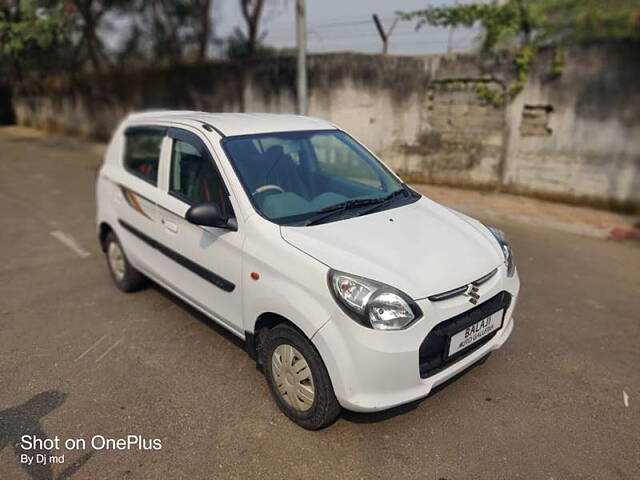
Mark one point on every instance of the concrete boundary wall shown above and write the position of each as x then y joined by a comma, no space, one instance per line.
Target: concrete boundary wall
575,137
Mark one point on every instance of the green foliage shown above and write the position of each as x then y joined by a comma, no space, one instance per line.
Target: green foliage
542,21
557,65
526,25
33,37
44,37
562,21
499,20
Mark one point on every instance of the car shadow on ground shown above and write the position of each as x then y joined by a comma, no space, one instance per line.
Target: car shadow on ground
374,417
197,314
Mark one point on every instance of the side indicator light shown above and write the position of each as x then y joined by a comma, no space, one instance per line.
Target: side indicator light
255,275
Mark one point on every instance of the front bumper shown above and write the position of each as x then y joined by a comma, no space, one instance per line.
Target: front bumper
375,370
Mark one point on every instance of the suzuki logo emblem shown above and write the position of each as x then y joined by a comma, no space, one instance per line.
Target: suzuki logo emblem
472,293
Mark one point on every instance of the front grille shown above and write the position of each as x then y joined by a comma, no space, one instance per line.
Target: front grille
457,291
433,350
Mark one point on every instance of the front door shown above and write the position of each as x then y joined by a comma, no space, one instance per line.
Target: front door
202,263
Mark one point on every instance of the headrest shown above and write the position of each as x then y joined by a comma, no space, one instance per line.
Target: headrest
243,150
274,152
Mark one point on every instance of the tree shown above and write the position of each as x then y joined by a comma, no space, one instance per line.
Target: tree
525,25
202,27
538,21
237,47
88,15
33,39
251,11
167,31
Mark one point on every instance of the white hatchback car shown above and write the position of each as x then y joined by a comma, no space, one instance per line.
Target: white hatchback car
349,288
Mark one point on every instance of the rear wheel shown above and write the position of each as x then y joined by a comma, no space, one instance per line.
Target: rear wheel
126,278
298,379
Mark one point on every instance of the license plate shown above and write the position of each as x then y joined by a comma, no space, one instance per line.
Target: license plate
475,332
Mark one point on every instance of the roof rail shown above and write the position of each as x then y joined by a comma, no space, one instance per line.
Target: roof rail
210,128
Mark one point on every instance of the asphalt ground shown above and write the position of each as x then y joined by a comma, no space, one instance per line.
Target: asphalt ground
78,358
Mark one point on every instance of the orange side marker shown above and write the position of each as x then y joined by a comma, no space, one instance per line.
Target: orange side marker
255,275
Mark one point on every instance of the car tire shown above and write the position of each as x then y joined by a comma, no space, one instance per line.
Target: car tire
293,365
126,278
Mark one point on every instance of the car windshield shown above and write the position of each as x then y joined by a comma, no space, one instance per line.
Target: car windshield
310,177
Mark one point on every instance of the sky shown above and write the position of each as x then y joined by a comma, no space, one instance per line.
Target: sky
339,25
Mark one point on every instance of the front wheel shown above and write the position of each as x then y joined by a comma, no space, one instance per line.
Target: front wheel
298,379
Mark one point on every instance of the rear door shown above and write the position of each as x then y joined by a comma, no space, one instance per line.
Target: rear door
136,194
201,263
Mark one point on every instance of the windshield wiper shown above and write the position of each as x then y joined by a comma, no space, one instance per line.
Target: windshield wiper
332,210
385,200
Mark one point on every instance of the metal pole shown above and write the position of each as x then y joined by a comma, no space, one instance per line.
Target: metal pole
301,36
450,40
383,35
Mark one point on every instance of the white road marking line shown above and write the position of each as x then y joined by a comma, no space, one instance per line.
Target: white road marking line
625,398
108,350
90,348
70,242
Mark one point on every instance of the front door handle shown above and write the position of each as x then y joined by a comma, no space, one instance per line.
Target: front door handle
172,227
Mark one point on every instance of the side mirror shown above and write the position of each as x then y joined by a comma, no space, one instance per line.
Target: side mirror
207,214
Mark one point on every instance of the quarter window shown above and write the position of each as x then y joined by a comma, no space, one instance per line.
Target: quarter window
142,152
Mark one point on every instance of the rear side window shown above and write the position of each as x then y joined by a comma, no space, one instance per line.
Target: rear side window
142,152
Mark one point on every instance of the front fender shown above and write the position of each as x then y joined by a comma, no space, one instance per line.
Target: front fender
291,283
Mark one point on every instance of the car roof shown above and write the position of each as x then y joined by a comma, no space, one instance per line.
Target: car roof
232,124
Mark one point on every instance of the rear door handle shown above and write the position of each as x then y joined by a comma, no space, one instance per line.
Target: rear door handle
172,227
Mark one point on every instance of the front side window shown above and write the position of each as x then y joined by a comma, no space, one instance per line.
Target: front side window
300,178
142,152
194,178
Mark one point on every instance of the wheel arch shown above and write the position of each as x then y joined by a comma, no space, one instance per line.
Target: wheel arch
266,321
104,229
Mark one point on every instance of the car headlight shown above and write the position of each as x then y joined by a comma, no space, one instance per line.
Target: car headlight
507,250
373,304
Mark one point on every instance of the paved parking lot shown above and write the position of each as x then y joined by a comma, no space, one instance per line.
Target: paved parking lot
78,358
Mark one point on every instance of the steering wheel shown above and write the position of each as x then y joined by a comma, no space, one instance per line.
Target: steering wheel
264,188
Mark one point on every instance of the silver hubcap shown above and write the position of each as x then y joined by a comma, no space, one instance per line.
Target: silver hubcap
116,260
293,377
